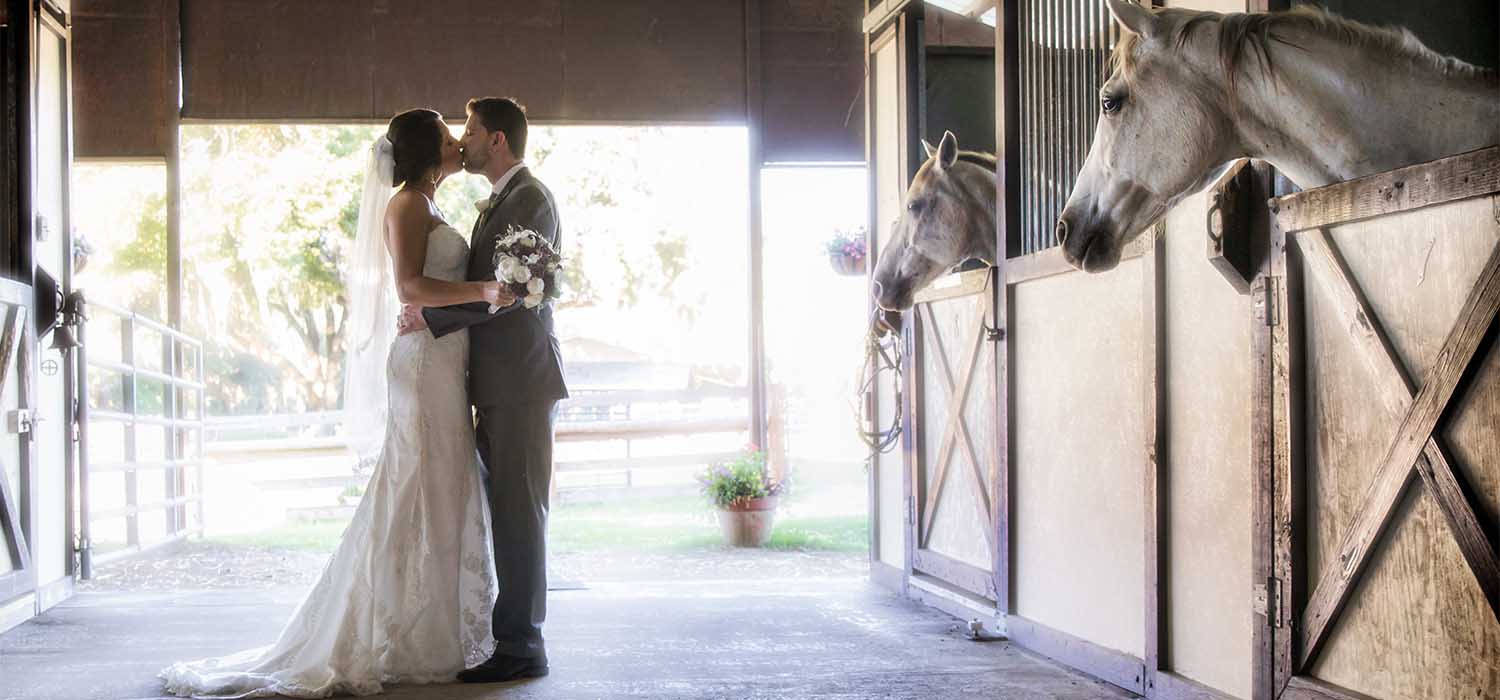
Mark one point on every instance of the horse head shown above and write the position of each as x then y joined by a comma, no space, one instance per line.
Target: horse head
1191,92
948,217
1162,135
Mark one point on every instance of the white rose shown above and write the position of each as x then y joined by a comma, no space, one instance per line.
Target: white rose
536,286
532,301
520,273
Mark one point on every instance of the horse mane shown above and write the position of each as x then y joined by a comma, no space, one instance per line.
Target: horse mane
1240,33
983,160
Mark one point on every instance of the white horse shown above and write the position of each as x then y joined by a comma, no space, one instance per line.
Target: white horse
1320,97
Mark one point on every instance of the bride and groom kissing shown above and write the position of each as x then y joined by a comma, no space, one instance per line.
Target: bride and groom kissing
458,426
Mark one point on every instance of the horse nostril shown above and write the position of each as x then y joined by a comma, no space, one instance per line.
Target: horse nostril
1062,231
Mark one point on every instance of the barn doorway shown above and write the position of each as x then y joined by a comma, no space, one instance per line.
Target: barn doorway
654,331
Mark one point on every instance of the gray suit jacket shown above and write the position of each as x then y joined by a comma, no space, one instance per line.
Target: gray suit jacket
513,354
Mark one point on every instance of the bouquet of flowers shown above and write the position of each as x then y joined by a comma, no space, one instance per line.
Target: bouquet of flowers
527,264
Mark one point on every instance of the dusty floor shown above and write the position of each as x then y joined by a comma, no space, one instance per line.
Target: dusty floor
824,639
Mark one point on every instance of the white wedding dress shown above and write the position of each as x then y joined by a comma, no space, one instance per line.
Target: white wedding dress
407,596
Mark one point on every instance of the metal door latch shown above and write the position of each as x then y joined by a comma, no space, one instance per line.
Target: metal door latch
20,421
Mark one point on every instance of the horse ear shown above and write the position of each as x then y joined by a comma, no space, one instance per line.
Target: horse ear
928,147
1132,17
947,150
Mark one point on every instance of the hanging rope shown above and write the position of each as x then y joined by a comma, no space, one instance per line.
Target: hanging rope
883,354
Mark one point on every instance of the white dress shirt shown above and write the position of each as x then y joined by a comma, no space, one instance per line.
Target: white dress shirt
504,180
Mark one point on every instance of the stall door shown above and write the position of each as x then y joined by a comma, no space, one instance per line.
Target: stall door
17,567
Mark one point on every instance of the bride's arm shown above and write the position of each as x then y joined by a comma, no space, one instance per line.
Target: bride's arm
407,224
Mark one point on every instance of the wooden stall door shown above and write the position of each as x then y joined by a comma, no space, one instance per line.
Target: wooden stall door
17,569
951,458
1385,374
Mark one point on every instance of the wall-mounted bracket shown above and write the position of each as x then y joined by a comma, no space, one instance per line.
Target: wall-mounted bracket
1228,226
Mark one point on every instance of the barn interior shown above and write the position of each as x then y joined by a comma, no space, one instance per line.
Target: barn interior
1258,459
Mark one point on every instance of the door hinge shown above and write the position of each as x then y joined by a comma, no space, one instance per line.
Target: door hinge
1268,601
1273,316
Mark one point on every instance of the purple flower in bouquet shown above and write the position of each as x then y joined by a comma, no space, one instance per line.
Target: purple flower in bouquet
527,264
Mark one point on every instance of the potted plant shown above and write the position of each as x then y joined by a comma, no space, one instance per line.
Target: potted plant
745,496
846,251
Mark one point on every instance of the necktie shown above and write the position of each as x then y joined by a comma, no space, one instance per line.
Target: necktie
484,213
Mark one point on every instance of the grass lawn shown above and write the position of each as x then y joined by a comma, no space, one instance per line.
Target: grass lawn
669,524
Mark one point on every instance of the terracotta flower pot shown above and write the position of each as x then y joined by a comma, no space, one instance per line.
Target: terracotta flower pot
848,265
749,523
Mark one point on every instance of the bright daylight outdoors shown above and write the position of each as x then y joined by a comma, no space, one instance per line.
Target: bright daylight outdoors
654,325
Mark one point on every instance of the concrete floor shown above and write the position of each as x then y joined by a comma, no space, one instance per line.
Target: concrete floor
830,639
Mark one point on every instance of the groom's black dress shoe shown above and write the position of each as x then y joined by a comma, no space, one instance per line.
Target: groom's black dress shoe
499,669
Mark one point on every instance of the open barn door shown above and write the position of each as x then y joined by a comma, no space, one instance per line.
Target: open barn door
892,151
35,445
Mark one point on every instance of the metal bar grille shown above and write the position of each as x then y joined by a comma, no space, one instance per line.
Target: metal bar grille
1065,47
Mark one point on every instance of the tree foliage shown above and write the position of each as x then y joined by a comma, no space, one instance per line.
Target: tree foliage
269,215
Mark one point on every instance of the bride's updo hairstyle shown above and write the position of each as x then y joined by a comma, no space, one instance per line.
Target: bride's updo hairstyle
416,144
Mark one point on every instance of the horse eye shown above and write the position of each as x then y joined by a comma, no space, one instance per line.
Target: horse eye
1110,105
915,205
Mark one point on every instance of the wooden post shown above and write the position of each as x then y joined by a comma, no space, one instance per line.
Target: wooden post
132,494
777,454
753,109
1007,240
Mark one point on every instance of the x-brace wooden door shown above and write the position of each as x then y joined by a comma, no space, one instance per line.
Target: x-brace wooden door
954,478
1385,421
17,569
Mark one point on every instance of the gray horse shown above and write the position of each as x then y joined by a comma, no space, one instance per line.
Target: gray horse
949,218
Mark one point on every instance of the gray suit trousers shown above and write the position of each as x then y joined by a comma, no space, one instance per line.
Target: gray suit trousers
515,445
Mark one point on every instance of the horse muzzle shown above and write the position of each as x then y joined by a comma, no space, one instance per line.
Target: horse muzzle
1087,246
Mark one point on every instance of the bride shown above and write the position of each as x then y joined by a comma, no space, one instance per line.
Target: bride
406,597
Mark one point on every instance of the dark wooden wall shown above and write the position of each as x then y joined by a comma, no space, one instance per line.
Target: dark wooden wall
1466,29
126,43
568,61
812,58
15,254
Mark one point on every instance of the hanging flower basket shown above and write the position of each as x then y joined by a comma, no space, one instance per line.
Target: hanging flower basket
850,265
847,253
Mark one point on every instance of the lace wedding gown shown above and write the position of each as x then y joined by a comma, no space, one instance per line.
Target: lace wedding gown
406,598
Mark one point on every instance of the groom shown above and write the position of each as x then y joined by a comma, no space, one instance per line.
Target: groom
515,381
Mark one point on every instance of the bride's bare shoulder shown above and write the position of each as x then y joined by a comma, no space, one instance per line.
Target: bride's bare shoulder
409,211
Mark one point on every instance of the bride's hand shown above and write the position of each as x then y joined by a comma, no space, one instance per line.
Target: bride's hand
498,294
